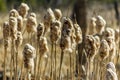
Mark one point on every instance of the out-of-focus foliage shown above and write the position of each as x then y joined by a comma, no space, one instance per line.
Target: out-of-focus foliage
35,4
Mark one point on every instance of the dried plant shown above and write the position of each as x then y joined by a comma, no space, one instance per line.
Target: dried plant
58,14
29,53
6,33
92,26
13,13
23,10
100,24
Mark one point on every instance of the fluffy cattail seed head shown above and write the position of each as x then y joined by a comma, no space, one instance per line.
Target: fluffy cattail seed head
92,26
65,43
55,31
19,39
31,24
13,27
100,24
40,30
111,72
58,14
33,14
111,66
23,10
117,38
109,32
13,13
90,46
78,33
29,51
20,23
6,32
49,16
43,48
104,50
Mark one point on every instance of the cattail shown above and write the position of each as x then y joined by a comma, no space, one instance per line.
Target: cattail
100,24
111,72
23,10
19,39
109,35
92,26
78,33
90,46
104,50
58,14
48,18
13,27
20,23
6,33
40,30
117,32
29,53
13,13
111,66
55,31
31,24
6,44
110,75
43,48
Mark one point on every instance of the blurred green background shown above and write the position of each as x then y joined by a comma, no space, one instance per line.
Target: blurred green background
6,5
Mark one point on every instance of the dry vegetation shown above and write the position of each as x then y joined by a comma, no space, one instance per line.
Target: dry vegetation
45,48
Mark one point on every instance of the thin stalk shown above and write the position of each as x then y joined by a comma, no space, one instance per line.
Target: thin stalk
61,61
5,49
21,71
51,74
16,64
70,65
55,62
39,67
45,67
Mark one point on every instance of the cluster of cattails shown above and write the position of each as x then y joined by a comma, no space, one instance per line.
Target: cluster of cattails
100,46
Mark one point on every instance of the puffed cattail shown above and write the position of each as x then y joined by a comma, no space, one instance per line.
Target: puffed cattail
92,26
43,47
58,14
78,33
111,75
100,24
49,16
55,30
109,32
104,49
111,66
40,30
29,53
65,43
112,47
13,13
13,27
19,39
23,10
20,23
31,24
117,39
97,41
90,46
111,72
33,14
6,33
